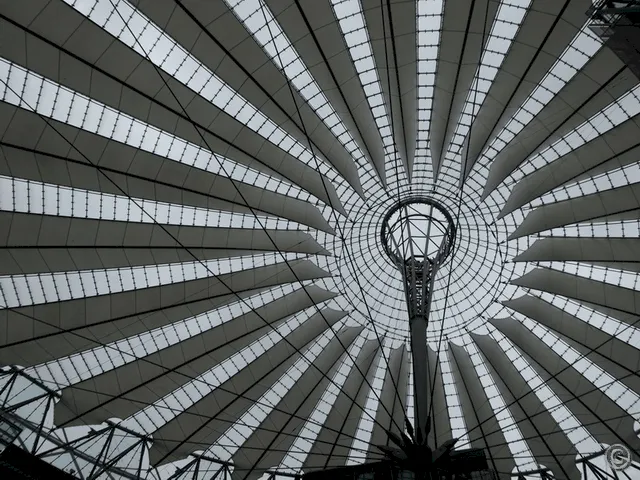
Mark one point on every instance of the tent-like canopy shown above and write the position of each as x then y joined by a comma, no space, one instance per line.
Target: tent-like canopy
192,281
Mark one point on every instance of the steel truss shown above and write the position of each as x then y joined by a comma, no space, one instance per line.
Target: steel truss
115,452
617,23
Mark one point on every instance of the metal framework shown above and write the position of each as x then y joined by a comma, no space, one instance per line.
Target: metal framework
606,13
418,234
586,464
617,23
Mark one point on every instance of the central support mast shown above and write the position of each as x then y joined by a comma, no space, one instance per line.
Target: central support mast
418,235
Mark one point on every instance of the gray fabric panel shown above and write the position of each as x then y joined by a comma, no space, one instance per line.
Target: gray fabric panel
611,250
214,413
482,426
583,289
55,330
614,356
623,200
148,379
526,63
386,413
130,172
441,424
241,62
611,150
38,244
603,418
333,443
311,28
135,87
262,449
548,443
393,42
601,81
466,26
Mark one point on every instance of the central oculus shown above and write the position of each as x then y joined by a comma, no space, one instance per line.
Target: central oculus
418,234
418,229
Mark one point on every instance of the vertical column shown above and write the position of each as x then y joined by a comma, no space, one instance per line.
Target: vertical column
418,330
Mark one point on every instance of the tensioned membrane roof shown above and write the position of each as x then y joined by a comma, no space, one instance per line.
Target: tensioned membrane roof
191,196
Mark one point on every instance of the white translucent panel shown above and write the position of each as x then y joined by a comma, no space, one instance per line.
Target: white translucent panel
26,89
171,405
598,229
15,290
410,412
140,34
253,418
27,196
76,368
299,450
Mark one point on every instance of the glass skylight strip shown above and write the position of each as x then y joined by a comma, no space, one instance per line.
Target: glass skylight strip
184,397
621,331
76,368
253,418
149,41
617,391
429,25
372,404
456,417
517,446
354,29
27,196
505,27
577,434
36,289
616,178
598,229
584,45
35,93
409,396
258,19
305,440
609,275
616,113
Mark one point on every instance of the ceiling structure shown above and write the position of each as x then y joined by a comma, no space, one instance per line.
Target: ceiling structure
191,198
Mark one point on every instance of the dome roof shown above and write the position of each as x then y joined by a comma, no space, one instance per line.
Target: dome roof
191,202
